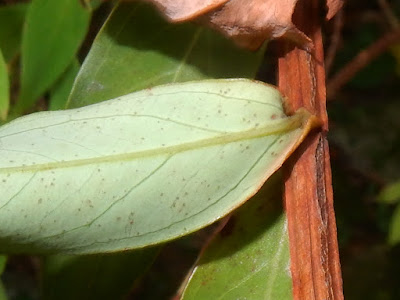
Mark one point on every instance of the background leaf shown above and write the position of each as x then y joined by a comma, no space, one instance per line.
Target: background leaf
4,89
390,193
53,33
11,22
249,258
3,260
61,89
137,49
106,276
394,232
198,151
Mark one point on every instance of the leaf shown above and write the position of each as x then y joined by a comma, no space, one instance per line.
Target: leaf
3,294
394,231
249,258
134,46
62,88
136,49
11,21
4,89
53,33
140,169
391,193
3,260
249,23
106,276
333,7
180,10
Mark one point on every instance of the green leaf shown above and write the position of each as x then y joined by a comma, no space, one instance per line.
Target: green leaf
394,232
249,258
106,276
53,33
3,295
11,22
62,88
140,169
4,89
391,193
137,48
3,261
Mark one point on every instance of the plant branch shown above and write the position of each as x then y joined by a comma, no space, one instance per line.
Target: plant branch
308,195
360,61
389,15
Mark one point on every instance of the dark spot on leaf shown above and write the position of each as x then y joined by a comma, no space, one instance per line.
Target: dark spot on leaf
273,116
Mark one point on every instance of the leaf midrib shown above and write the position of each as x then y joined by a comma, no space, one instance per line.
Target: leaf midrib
280,126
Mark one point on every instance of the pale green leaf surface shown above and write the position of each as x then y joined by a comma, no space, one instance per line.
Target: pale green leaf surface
61,89
4,89
11,22
53,33
140,169
249,259
136,49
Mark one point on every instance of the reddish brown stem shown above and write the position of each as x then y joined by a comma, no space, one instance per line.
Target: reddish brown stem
308,196
361,60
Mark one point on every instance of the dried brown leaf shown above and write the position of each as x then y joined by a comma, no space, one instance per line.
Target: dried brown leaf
182,10
250,22
333,7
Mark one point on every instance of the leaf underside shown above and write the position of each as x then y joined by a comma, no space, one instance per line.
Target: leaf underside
140,169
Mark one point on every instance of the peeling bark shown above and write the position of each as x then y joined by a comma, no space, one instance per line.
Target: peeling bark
308,195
